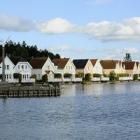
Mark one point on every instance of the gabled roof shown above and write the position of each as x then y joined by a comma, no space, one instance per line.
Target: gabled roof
129,65
93,61
137,63
109,64
15,60
61,62
37,63
80,63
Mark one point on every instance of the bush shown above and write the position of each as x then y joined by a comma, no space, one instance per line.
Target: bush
79,75
96,75
45,78
105,75
33,76
87,77
57,75
67,75
135,77
113,76
123,75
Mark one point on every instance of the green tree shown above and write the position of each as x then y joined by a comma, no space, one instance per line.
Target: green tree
128,57
113,76
135,77
45,78
87,77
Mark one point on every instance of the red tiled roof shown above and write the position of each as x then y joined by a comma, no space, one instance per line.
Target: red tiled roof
37,63
129,65
61,63
109,64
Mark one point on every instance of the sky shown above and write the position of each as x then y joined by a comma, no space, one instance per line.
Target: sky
103,29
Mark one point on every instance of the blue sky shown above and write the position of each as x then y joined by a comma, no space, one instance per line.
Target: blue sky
75,28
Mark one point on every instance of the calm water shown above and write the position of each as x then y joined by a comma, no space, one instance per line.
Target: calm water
91,112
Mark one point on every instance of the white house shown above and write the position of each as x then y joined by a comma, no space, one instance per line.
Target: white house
83,66
132,67
66,68
9,69
97,68
112,66
23,67
42,66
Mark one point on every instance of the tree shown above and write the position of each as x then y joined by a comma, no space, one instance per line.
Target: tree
79,75
13,49
128,57
45,78
87,77
113,76
135,77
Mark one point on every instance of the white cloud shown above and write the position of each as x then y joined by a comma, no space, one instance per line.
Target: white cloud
55,26
113,31
127,30
131,50
59,48
104,31
12,23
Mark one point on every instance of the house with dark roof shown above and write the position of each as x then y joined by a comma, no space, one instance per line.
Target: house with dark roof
42,66
132,67
65,67
112,66
23,67
83,66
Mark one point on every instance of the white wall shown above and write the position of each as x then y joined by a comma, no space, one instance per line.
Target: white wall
25,69
98,68
9,69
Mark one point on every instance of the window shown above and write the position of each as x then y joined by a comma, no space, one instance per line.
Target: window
22,66
18,66
7,67
9,76
26,67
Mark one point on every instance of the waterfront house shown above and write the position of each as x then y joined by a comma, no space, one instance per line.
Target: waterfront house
97,70
42,66
23,67
83,66
132,67
9,69
65,69
97,67
112,66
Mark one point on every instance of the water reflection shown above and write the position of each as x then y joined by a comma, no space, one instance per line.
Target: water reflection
77,114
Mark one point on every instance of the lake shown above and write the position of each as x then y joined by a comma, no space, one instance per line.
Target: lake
83,112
